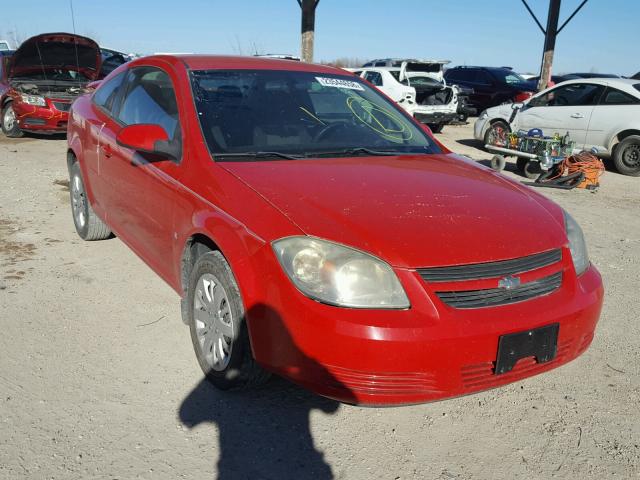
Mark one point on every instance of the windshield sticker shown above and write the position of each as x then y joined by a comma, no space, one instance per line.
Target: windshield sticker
339,83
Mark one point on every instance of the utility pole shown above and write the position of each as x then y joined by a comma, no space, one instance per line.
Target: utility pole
308,28
549,44
550,35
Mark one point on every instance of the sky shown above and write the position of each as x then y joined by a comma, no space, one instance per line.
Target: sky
603,37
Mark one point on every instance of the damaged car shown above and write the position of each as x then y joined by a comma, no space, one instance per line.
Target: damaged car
418,86
45,75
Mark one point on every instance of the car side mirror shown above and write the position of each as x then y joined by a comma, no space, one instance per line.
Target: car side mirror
146,138
517,105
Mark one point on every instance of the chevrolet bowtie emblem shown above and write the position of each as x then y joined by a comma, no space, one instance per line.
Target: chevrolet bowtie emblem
509,282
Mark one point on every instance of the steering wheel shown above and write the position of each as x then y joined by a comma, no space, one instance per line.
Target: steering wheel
327,130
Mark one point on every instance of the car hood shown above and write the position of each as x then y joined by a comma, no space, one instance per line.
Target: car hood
412,211
56,50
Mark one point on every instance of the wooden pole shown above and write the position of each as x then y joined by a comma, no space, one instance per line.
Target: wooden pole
549,44
307,28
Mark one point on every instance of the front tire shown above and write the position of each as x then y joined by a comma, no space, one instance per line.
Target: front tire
436,127
626,157
87,223
496,134
9,122
216,320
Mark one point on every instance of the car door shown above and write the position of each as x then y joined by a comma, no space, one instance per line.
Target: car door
102,103
615,110
142,187
563,109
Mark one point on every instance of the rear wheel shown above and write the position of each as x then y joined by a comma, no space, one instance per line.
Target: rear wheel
436,127
87,223
9,122
626,157
498,162
532,169
496,134
219,335
521,163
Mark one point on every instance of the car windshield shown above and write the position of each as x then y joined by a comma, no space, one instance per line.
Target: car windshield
277,114
508,76
423,81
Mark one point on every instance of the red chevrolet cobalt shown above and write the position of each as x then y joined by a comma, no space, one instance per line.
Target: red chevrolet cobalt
314,230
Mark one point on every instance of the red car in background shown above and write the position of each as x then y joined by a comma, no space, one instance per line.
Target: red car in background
315,230
42,78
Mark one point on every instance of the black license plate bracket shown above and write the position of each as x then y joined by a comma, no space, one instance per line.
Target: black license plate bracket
541,343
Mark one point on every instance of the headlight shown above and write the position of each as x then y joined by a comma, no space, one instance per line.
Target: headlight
339,275
33,100
577,244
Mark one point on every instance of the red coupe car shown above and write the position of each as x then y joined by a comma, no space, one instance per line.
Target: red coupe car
314,230
41,80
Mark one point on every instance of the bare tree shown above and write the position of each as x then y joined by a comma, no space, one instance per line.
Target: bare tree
15,37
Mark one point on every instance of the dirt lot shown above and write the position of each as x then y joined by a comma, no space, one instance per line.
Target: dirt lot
98,380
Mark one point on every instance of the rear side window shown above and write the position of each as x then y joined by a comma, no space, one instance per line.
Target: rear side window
374,77
462,75
150,99
106,93
575,94
637,86
613,96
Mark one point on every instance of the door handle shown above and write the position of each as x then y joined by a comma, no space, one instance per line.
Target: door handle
577,115
106,149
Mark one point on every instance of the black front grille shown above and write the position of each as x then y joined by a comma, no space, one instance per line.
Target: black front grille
500,296
63,107
476,271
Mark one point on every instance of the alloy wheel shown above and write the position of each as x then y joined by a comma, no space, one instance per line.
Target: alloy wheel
78,201
9,118
213,321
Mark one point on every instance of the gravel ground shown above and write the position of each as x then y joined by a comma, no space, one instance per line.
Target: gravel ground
98,379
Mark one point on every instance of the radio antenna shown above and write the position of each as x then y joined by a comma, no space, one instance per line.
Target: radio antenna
75,40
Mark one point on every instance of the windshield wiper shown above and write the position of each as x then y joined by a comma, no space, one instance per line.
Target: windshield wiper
359,151
255,155
366,151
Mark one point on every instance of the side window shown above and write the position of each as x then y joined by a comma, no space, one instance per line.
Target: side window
575,94
151,99
374,77
106,92
380,64
613,96
483,78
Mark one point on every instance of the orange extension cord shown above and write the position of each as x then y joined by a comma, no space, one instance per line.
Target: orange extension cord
583,162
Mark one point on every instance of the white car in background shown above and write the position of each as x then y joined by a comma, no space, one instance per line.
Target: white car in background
416,85
600,113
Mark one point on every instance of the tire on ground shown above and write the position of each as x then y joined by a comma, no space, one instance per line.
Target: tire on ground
242,371
626,156
10,130
532,170
87,223
498,162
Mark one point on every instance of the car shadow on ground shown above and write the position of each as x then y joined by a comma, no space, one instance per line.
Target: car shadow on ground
471,142
264,432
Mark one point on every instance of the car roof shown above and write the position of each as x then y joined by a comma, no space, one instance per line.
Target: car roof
227,62
625,84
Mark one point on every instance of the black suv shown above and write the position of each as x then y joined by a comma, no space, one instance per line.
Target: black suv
491,85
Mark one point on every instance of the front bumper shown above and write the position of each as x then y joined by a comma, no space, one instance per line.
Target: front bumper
435,117
480,128
52,118
428,352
